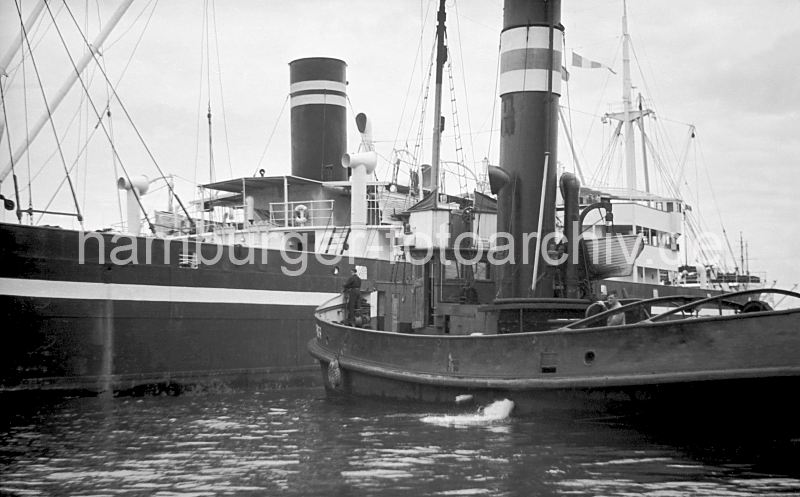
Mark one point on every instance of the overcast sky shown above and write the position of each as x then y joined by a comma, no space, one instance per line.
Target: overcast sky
728,67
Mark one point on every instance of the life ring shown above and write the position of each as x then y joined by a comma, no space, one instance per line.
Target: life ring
300,214
334,374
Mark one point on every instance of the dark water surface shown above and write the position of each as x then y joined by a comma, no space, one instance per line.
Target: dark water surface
297,442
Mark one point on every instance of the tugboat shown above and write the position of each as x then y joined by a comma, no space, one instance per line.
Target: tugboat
545,341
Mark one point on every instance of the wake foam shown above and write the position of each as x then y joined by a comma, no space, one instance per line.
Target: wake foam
495,412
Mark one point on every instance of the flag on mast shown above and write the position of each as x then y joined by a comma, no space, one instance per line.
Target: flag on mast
580,61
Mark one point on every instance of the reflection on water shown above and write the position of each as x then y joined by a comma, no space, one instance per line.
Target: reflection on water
299,443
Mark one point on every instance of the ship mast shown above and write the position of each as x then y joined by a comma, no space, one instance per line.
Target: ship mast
630,158
441,58
629,114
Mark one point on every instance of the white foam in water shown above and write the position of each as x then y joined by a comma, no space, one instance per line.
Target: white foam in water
494,412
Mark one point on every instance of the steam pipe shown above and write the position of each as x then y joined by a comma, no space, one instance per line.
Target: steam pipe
570,191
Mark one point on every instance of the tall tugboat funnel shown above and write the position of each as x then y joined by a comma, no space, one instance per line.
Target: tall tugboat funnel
531,47
319,113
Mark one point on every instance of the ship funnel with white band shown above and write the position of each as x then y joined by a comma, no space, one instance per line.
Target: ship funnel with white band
319,129
531,48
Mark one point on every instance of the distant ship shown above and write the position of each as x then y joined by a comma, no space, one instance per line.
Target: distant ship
661,214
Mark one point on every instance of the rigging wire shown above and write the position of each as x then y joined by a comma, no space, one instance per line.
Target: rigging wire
716,205
494,100
46,161
417,154
47,106
27,127
464,83
75,115
200,95
211,172
11,154
12,73
130,120
596,111
221,91
418,52
133,23
107,111
83,108
269,140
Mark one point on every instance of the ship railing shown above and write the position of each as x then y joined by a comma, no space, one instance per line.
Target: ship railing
301,213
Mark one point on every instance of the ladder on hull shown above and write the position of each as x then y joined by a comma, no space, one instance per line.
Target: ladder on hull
337,241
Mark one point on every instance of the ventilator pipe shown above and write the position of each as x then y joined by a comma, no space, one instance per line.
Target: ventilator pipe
498,178
136,186
361,166
364,126
250,208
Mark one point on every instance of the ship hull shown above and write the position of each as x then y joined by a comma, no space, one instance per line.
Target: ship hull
746,363
82,315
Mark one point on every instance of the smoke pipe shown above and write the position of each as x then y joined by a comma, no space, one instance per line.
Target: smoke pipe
531,48
318,100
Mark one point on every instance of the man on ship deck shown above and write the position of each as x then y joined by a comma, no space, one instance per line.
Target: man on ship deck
617,319
352,295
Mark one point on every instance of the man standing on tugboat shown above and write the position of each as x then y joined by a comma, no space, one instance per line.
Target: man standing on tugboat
617,319
352,294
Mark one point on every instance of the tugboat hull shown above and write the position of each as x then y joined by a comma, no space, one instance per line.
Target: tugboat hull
730,360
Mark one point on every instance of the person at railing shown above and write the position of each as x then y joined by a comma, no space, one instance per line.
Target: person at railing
618,318
352,295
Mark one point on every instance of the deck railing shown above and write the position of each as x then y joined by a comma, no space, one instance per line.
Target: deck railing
301,213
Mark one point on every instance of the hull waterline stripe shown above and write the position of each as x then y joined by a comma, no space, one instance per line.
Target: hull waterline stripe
18,287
